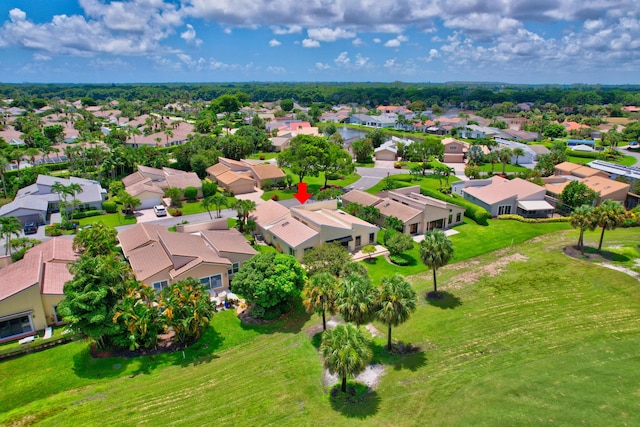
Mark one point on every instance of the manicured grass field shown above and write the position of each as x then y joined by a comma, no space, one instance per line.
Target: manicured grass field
525,335
430,182
624,161
111,220
189,208
497,168
313,186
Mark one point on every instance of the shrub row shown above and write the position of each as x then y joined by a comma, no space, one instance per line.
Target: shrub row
87,214
584,154
534,220
475,212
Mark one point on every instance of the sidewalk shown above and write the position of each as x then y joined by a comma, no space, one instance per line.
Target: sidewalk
380,251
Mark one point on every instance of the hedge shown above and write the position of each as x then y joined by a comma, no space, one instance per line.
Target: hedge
475,212
585,154
86,214
534,220
190,193
110,206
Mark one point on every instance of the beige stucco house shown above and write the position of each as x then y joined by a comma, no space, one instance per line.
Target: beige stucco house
300,228
32,288
159,257
454,150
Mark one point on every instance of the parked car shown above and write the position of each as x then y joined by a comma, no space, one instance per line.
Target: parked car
633,144
160,210
30,228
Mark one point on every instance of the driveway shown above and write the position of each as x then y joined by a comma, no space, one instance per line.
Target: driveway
148,215
371,176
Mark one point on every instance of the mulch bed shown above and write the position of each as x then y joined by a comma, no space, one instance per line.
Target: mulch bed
166,344
574,252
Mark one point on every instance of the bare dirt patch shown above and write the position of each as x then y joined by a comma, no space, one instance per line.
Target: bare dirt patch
489,270
574,252
369,377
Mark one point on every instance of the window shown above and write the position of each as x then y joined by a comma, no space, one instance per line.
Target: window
458,216
212,282
450,219
453,148
504,210
292,252
358,241
372,237
413,228
159,286
18,324
233,269
56,318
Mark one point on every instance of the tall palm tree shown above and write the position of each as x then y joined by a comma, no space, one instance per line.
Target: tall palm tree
608,215
207,203
356,299
319,295
62,192
3,167
582,218
219,200
492,158
244,208
346,350
505,157
9,226
32,152
396,301
74,188
518,152
435,251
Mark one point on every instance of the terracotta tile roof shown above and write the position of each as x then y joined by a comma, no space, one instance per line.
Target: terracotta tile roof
269,212
149,260
188,179
149,170
217,169
568,168
502,189
232,164
132,179
392,208
228,241
28,272
189,245
138,236
360,197
56,274
605,186
268,172
292,232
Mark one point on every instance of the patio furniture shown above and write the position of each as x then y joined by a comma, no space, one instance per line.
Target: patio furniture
27,340
48,333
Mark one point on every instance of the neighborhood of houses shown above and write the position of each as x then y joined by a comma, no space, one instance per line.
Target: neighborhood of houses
31,289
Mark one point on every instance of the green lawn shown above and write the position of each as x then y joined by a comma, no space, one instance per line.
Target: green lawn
472,240
189,208
523,336
264,155
624,161
313,186
497,168
430,182
111,220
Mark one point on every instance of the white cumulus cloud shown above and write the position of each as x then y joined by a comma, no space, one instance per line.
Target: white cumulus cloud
274,43
310,43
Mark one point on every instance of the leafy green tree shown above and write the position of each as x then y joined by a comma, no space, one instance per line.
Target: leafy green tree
353,208
187,308
335,161
174,194
236,147
377,137
326,258
329,129
399,243
555,130
582,218
96,240
190,193
228,104
9,226
346,351
270,280
305,156
362,149
356,299
609,215
393,223
286,104
369,214
369,250
319,295
129,202
140,317
576,194
89,307
435,251
396,301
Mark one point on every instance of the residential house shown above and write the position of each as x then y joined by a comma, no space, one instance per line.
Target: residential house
266,173
454,150
387,151
232,181
295,230
631,173
576,170
35,202
159,257
501,196
149,184
528,157
607,189
32,288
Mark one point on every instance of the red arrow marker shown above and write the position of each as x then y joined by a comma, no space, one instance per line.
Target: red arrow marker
302,194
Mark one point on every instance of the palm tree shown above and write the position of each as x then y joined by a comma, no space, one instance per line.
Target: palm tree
3,167
319,295
206,203
518,152
356,299
73,189
492,158
128,201
608,215
435,251
32,152
582,217
244,208
396,301
9,226
219,200
505,157
346,351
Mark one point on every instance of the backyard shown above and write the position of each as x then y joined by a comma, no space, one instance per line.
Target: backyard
525,335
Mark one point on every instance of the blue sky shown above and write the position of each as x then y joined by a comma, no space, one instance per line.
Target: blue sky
515,41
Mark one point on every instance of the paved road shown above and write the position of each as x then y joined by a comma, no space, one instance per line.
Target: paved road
626,152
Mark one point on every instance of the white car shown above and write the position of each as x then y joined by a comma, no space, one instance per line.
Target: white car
160,210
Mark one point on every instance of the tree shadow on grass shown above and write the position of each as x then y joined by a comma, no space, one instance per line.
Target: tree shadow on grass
359,401
86,366
403,260
402,355
291,322
410,361
445,300
592,253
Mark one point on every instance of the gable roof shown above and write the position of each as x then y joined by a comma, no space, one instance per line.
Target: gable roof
228,241
132,179
184,180
404,213
269,171
229,177
292,232
138,236
217,169
268,212
360,197
502,189
149,260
